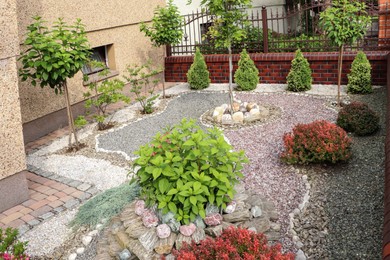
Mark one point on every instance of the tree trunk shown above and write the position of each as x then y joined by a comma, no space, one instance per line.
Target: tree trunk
70,117
340,68
231,78
163,73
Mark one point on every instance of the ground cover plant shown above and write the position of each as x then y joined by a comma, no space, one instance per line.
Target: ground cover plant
358,118
299,78
234,243
247,74
10,247
185,167
359,79
198,77
316,142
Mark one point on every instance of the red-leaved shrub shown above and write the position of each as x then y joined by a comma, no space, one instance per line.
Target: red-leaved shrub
316,142
233,244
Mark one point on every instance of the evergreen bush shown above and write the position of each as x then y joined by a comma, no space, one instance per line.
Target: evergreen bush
359,80
357,117
299,77
247,75
198,75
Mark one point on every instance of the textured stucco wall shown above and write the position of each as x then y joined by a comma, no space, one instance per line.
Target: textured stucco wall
107,22
12,155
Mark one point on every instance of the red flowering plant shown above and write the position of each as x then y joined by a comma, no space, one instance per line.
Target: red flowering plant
233,244
10,247
316,142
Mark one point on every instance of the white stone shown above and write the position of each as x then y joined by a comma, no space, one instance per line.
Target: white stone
256,211
72,256
253,229
300,255
80,250
86,240
227,119
93,233
231,207
99,227
238,117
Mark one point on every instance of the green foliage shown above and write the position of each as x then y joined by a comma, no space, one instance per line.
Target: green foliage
10,246
100,95
143,80
105,205
166,26
357,117
53,55
316,142
345,21
185,168
359,80
247,75
198,75
286,43
299,78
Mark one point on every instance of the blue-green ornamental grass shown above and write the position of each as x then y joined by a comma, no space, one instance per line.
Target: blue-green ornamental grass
184,168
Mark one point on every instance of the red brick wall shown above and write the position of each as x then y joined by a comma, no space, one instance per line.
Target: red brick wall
274,67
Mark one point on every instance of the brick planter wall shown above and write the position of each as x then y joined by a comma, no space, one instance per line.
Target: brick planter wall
274,67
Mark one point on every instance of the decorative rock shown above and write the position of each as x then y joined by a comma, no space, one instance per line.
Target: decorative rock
300,255
163,231
137,249
170,257
253,229
136,229
236,107
171,221
250,106
80,250
214,231
99,227
72,256
139,207
256,211
217,114
124,255
199,222
260,224
275,227
164,246
180,239
210,208
198,235
149,239
187,230
227,119
237,216
230,207
213,219
149,219
93,233
86,240
299,244
238,117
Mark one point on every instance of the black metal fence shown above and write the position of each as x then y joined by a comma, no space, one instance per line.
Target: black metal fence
278,29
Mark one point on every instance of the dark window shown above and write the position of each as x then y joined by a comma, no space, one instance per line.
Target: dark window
99,54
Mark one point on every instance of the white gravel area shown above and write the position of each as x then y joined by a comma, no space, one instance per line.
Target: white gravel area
43,239
101,173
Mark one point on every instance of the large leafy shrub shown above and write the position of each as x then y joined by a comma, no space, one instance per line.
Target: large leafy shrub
234,243
299,77
247,75
316,142
198,75
359,80
185,168
357,117
10,247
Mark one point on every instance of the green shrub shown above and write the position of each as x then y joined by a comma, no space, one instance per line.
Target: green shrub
299,77
359,80
10,247
357,117
247,75
198,75
185,168
319,141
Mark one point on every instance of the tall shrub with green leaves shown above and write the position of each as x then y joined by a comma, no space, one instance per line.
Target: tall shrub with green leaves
299,78
344,22
165,28
198,77
184,168
359,80
54,55
247,74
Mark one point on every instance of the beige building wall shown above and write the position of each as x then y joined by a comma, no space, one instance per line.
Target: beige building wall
114,23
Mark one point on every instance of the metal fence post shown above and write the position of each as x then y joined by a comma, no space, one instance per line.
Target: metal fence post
265,28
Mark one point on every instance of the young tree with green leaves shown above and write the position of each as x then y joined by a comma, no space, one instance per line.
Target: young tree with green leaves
165,29
54,55
228,27
344,22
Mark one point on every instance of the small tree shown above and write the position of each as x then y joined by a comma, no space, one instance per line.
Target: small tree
247,74
198,75
344,23
165,28
54,55
359,80
228,27
299,78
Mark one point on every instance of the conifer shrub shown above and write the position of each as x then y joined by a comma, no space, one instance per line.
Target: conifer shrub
234,243
359,79
316,142
299,78
358,118
247,75
198,75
